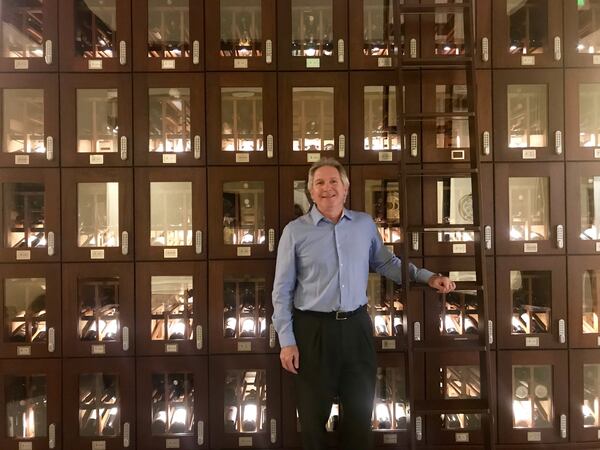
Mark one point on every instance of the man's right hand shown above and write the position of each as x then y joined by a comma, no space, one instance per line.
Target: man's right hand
290,358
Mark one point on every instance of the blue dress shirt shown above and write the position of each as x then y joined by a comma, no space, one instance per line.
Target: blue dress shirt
322,266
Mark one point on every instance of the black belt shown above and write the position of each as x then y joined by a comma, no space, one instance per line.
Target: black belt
337,315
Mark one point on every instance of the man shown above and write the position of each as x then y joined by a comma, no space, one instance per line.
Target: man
319,298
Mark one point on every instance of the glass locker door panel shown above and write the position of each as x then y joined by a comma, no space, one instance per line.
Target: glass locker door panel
448,201
97,214
376,190
582,26
98,307
171,301
583,222
243,220
169,119
532,309
30,399
528,33
313,34
172,402
533,398
242,125
246,401
373,43
456,319
240,307
29,118
241,35
373,109
584,301
30,211
171,214
528,115
96,120
29,36
446,138
95,35
30,299
318,123
456,376
168,35
99,403
525,222
582,101
584,395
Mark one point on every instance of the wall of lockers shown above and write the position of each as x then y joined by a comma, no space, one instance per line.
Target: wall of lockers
153,150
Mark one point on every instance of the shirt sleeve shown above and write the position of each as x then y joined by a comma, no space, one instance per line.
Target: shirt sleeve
284,286
384,262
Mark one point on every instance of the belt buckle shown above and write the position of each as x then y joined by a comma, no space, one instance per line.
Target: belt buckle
338,317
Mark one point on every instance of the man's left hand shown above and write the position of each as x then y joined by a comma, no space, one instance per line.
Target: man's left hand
442,284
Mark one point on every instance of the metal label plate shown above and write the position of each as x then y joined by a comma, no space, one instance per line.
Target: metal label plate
388,344
534,436
389,438
240,63
529,153
385,156
528,60
244,251
97,254
21,64
171,443
457,154
461,437
23,255
532,342
312,157
242,157
167,64
244,346
596,60
598,246
24,350
170,253
22,159
169,158
384,62
171,348
95,64
98,445
245,441
313,63
530,247
25,445
98,349
597,153
96,159
459,248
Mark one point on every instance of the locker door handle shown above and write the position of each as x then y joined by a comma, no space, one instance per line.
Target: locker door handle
48,52
563,426
196,52
51,243
268,51
560,236
558,145
198,242
197,147
562,331
557,49
485,49
414,145
52,436
51,340
341,51
417,331
490,332
200,432
269,146
272,336
419,428
342,146
199,337
124,243
123,53
488,237
49,148
123,148
126,432
415,241
271,240
273,431
486,146
125,339
413,48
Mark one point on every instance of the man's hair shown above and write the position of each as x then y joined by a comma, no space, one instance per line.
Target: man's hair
327,162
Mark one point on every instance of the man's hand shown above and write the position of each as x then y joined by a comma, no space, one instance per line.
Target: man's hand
290,358
442,284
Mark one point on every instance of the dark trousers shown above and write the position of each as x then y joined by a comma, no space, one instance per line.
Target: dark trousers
337,358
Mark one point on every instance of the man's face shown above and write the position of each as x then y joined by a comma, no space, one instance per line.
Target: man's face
328,191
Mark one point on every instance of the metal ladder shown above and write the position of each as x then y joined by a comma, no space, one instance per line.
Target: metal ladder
422,408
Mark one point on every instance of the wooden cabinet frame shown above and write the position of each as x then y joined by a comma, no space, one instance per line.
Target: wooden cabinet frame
577,359
576,266
576,171
572,57
574,78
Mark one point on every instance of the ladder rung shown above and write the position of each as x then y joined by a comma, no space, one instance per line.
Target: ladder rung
413,117
435,228
430,7
464,406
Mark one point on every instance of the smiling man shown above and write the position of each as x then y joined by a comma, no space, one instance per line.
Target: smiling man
319,301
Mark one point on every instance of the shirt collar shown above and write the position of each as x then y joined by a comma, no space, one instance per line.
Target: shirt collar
316,215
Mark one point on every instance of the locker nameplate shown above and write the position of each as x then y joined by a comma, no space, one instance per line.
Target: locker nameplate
25,445
313,63
532,342
245,441
457,154
23,255
459,248
240,63
385,156
96,159
388,344
242,157
528,60
167,64
170,253
171,348
596,59
95,64
21,64
598,246
390,438
98,445
384,62
98,349
22,159
97,254
171,443
529,153
461,437
170,158
244,251
598,343
534,436
24,350
599,434
597,153
530,247
244,346
312,157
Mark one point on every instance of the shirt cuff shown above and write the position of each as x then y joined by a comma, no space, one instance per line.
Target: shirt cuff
423,275
286,339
